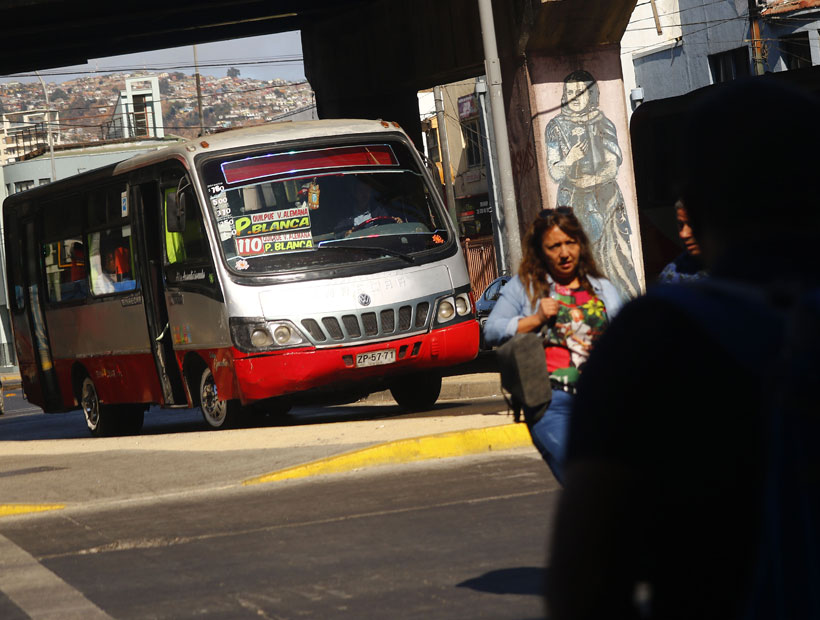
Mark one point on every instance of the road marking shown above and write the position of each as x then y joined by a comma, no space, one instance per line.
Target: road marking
459,443
37,591
7,510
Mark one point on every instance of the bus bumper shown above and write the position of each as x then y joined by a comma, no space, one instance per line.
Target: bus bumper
274,374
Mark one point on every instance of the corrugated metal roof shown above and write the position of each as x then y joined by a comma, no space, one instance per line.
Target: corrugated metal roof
787,6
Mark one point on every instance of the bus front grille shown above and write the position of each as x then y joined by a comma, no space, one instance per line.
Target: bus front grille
372,324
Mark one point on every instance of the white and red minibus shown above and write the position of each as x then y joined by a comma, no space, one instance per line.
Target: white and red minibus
238,269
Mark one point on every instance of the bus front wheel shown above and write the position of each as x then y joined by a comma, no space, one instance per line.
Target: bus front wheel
217,413
108,420
416,392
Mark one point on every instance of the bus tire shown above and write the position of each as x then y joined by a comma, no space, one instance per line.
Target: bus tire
416,392
100,419
217,413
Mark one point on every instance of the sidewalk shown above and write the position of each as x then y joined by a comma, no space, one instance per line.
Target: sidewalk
10,380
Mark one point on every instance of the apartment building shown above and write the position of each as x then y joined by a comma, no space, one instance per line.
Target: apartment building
138,112
672,47
24,132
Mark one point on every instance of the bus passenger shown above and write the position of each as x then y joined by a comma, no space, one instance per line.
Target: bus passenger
77,262
105,280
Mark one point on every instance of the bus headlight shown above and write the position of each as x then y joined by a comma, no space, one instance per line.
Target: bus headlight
282,334
463,306
445,310
252,335
285,334
260,338
458,307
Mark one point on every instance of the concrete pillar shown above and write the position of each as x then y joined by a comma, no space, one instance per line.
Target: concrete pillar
569,122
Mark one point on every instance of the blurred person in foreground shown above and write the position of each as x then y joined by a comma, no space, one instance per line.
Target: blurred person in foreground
688,266
693,475
559,292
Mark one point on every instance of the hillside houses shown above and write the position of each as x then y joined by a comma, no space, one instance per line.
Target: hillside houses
86,104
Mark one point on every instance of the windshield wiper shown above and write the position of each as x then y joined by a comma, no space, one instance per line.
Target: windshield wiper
366,248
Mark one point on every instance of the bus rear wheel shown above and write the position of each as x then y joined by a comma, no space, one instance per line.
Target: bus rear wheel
108,420
416,392
218,413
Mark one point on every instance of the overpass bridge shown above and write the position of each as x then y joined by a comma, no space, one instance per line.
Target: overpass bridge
368,58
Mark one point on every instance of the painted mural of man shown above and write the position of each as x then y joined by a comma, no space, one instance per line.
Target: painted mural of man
583,157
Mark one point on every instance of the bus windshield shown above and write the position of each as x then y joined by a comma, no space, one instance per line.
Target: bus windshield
321,207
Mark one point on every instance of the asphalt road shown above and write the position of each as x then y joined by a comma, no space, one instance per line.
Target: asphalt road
455,538
160,526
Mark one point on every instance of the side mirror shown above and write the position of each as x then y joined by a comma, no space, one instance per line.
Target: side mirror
176,204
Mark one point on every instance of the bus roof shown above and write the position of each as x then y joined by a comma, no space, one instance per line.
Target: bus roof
269,133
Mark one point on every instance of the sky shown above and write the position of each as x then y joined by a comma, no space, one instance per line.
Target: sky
264,57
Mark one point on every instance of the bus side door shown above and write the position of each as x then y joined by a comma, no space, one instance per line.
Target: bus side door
147,218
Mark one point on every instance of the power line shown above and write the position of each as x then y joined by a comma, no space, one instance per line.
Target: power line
686,35
273,60
678,12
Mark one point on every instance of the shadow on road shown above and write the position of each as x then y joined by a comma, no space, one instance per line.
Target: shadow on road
36,425
520,580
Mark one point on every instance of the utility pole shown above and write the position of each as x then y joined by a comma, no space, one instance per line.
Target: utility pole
444,145
502,142
493,191
754,34
48,128
198,95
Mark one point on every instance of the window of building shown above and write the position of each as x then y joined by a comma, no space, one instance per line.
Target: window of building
795,50
432,145
472,142
44,182
728,66
140,116
23,185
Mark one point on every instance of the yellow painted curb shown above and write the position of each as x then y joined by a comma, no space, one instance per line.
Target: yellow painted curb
7,510
458,443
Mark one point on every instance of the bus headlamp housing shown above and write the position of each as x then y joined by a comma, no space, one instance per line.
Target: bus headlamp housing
455,307
255,334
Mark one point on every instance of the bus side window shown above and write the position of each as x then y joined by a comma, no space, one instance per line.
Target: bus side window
111,261
188,245
65,268
63,250
14,264
174,244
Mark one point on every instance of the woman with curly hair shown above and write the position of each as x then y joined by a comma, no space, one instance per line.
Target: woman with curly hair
560,292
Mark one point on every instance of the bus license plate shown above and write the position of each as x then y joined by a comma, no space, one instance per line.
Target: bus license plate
376,358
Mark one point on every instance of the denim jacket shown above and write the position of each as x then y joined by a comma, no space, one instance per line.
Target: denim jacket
514,304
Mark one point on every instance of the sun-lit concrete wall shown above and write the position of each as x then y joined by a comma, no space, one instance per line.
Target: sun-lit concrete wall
644,37
582,156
